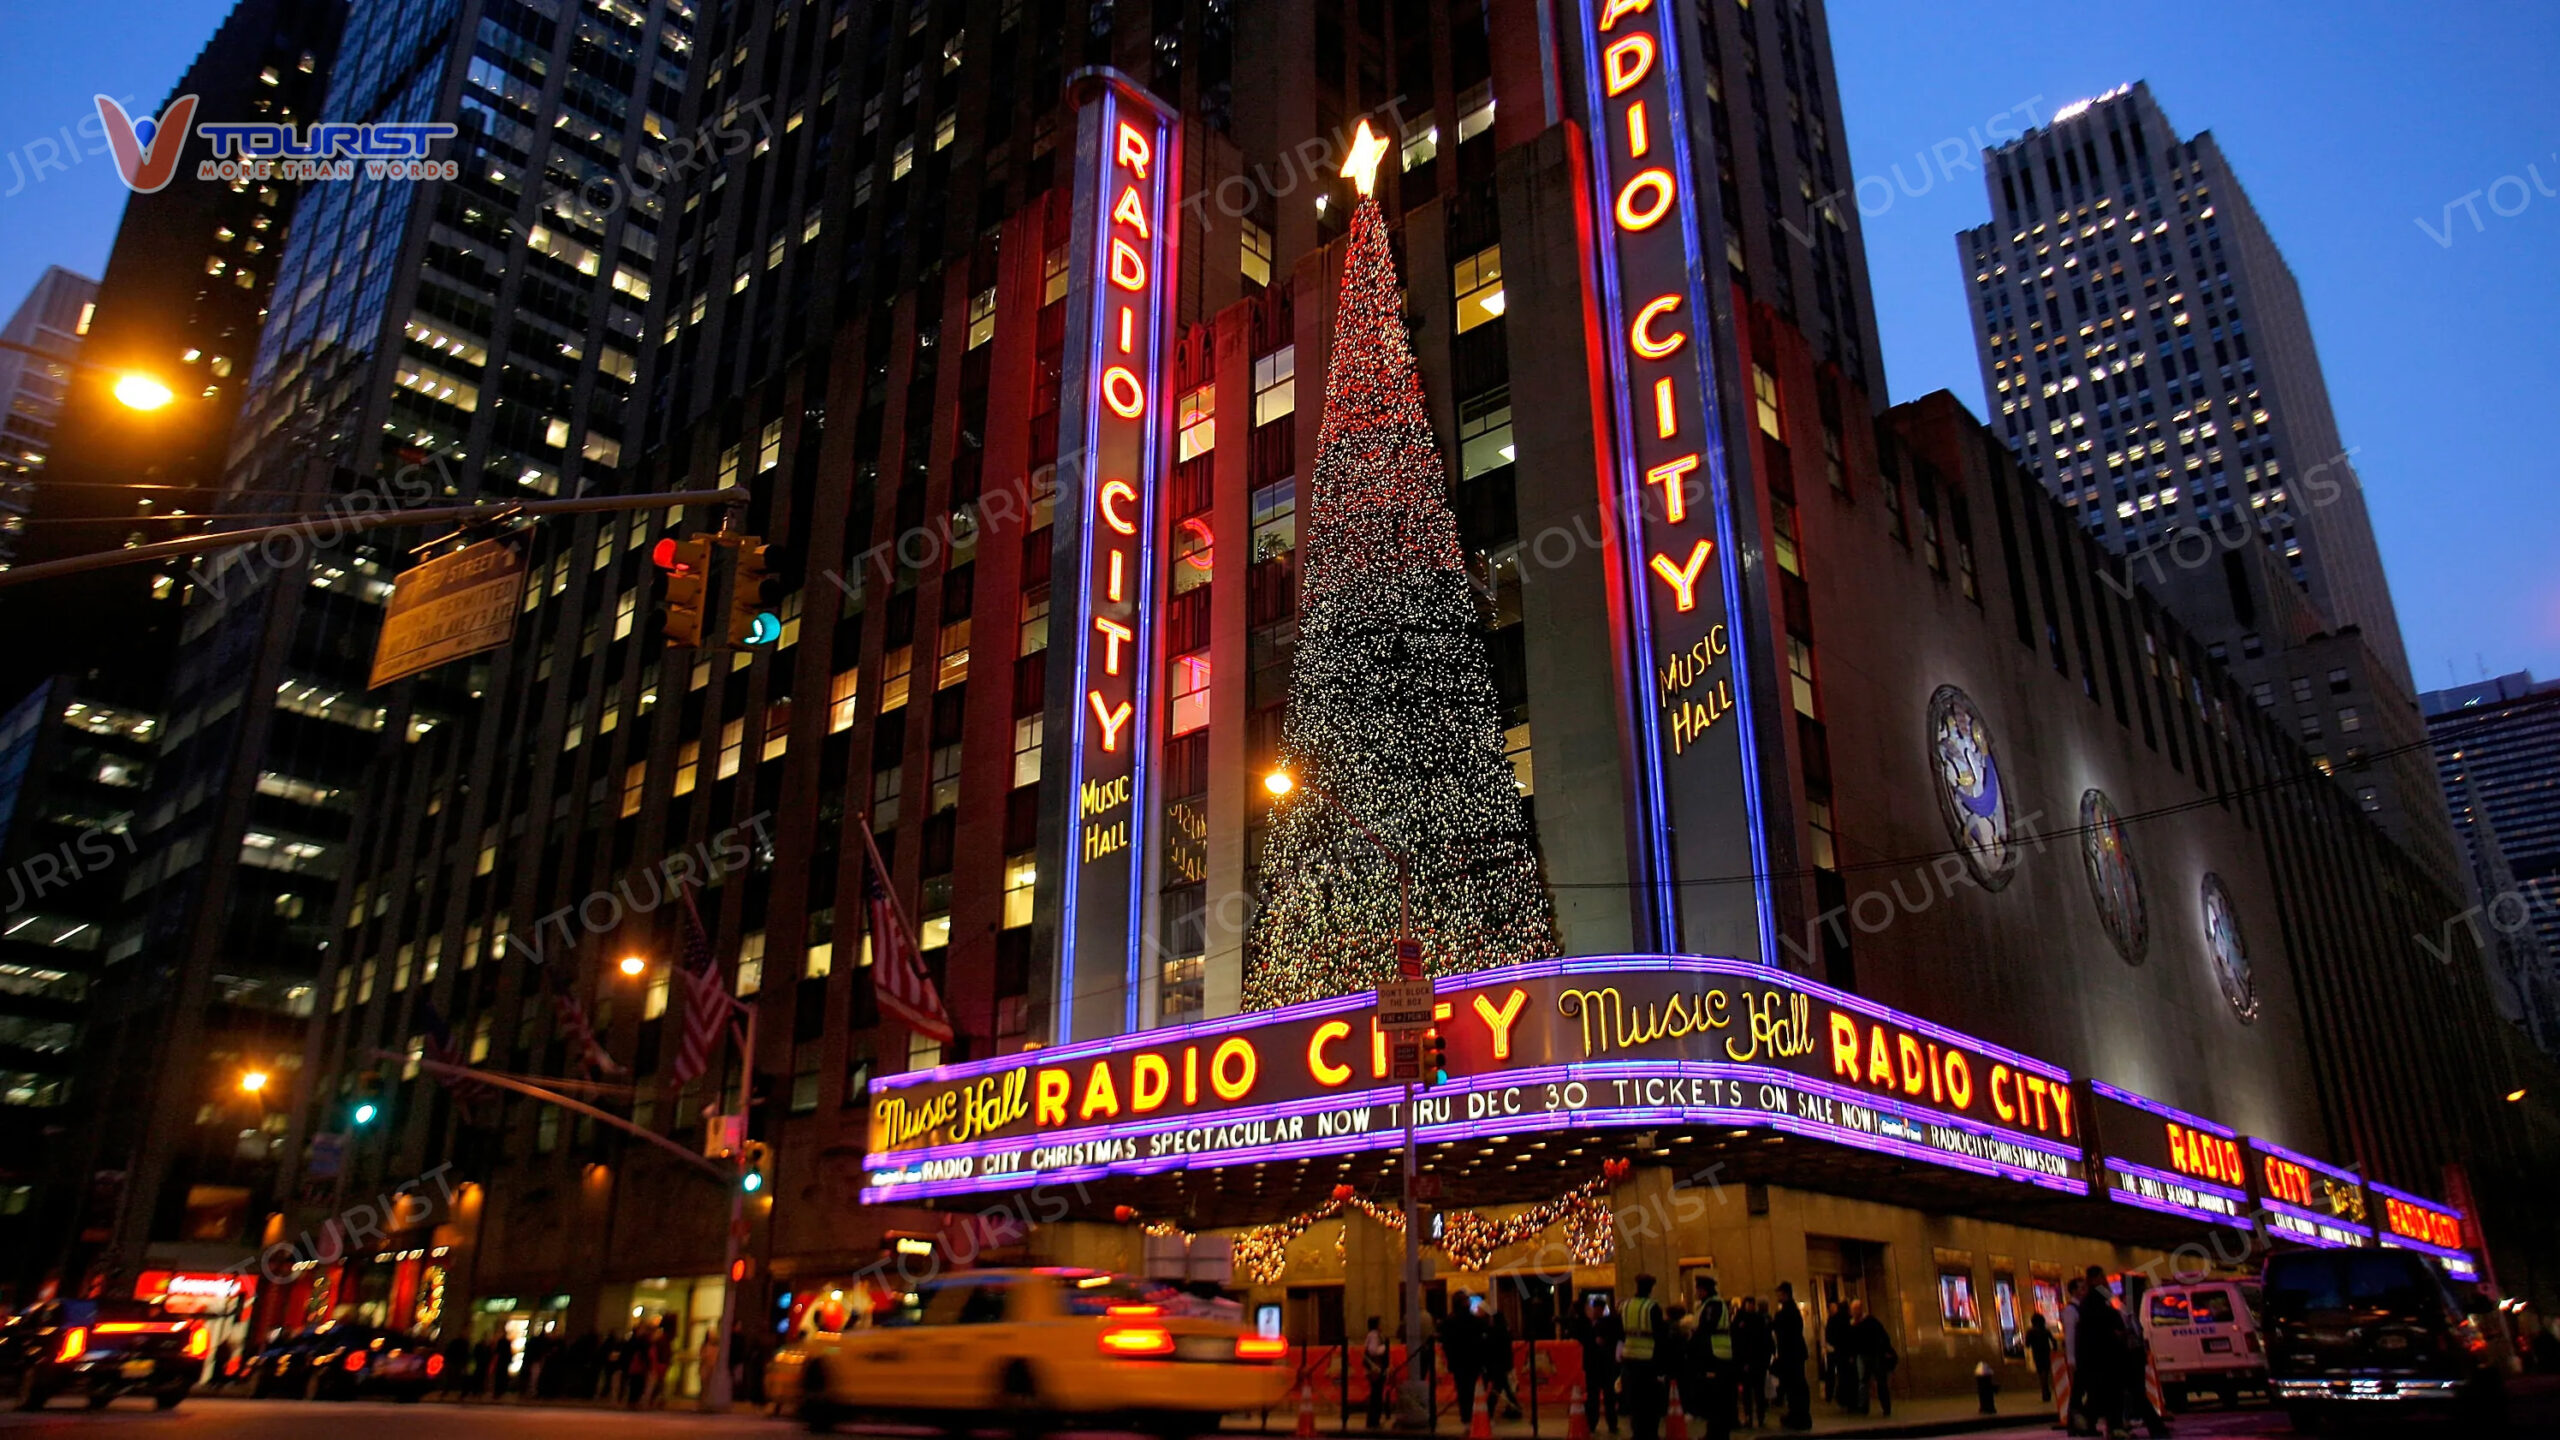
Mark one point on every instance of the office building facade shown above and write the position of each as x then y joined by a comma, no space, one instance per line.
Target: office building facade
44,335
2497,747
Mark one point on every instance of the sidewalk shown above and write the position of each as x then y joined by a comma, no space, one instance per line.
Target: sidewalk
1941,1415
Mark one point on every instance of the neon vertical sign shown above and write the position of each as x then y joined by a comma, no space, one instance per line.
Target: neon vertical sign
1097,830
1696,783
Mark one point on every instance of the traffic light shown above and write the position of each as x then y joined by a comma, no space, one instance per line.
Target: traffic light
1435,1059
752,592
687,564
368,1106
753,1160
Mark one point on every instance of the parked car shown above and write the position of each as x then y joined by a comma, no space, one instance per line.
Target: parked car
1050,1346
101,1349
2381,1332
2205,1337
341,1359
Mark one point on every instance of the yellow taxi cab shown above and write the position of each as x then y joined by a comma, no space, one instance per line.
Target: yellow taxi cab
1040,1348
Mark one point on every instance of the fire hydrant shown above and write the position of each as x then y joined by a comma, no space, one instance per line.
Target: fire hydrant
1986,1385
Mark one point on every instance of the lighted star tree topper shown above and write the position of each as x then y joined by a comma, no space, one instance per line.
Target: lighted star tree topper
1392,723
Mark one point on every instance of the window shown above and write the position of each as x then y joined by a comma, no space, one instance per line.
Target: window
1190,692
1826,834
1195,421
885,785
1484,433
1958,1312
804,1077
1021,876
2338,682
1421,142
688,762
777,728
1515,748
769,446
751,962
982,317
1782,529
1255,259
1764,402
903,159
635,781
1275,385
894,669
1026,749
2301,689
1053,276
1800,674
946,778
733,739
2349,720
1178,990
1475,111
953,666
653,1001
843,695
1194,554
1032,636
1275,518
1479,286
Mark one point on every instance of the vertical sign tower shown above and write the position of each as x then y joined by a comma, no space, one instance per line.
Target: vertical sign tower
1667,494
1096,827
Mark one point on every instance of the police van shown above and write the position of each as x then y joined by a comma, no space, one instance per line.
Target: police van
2204,1338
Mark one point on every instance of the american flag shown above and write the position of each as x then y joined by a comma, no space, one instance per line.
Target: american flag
445,1050
706,999
897,961
593,1059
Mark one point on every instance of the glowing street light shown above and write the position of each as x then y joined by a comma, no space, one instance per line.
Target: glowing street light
2516,1096
142,392
253,1082
1278,782
634,966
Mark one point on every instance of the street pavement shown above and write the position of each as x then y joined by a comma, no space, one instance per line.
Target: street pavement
2537,1417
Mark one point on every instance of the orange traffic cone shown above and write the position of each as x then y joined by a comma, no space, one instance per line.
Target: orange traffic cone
1306,1413
1482,1429
1675,1424
1576,1426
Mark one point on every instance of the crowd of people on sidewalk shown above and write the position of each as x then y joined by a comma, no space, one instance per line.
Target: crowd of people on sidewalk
1752,1363
640,1368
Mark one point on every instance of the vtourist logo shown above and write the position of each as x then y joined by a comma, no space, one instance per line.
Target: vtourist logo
148,151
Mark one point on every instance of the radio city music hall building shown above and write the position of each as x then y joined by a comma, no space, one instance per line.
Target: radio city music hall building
1935,918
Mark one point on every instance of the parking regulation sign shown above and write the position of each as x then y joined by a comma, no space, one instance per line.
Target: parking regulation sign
1405,1005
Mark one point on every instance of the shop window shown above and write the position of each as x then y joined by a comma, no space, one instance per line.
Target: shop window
1958,1312
1479,285
1275,385
1195,422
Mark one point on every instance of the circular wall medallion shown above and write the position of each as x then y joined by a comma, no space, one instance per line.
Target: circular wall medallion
1972,793
2227,950
2115,883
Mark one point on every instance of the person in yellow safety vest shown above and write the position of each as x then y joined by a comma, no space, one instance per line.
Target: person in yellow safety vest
1645,1324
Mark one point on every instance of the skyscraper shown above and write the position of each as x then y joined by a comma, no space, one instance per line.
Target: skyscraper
2497,743
43,336
477,336
2150,360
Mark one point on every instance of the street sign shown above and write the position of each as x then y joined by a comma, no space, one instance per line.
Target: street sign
1404,1060
454,605
325,1157
1409,958
723,1135
1405,1005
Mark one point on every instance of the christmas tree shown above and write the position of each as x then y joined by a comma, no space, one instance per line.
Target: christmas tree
1392,724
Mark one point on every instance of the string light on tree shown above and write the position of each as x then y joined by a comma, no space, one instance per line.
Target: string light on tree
1392,710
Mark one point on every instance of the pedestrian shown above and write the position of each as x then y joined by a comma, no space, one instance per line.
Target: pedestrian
1462,1348
1790,1353
1497,1366
1751,1356
1642,1372
1840,1385
2040,1350
1594,1327
635,1366
2077,1421
662,1359
1373,1363
2099,1348
1876,1357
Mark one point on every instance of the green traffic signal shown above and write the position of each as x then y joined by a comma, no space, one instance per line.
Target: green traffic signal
365,1113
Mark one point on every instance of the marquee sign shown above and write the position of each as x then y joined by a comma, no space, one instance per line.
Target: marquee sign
1634,1040
2161,1158
1667,496
2413,1222
1097,830
2310,1202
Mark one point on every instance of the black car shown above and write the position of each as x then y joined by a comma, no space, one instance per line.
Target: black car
101,1349
341,1359
2380,1334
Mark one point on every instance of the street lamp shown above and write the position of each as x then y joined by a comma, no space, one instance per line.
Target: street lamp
1413,1401
142,392
747,1177
253,1082
2516,1096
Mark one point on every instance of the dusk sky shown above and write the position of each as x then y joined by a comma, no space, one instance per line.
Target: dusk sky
2359,130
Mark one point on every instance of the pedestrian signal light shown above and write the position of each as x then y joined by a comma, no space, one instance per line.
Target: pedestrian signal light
687,564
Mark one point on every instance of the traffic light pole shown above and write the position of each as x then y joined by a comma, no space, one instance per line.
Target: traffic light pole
715,1386
368,520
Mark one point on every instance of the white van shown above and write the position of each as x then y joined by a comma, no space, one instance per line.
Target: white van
2204,1337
